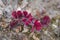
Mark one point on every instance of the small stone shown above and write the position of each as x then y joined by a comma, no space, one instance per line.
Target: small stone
17,30
4,25
45,32
54,26
25,30
18,8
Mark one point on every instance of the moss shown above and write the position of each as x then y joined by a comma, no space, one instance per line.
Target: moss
53,20
38,35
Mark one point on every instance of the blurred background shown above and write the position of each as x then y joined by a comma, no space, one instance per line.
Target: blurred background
38,8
